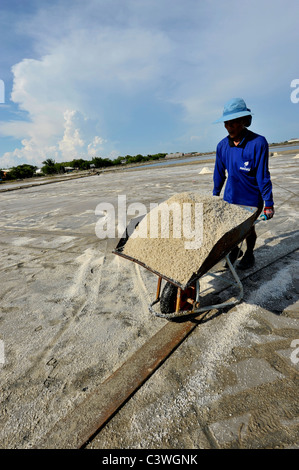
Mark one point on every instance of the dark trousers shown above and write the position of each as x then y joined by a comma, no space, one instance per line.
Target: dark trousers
251,239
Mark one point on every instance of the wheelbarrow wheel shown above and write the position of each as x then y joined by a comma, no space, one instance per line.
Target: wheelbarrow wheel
168,298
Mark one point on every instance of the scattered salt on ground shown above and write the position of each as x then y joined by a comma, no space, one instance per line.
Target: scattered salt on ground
154,421
205,171
176,237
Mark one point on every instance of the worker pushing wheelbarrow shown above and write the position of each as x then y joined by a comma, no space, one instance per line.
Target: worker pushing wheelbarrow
241,157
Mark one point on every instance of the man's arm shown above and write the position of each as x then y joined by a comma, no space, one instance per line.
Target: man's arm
264,180
263,175
219,174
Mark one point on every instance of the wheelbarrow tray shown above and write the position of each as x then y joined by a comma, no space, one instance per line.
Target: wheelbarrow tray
223,246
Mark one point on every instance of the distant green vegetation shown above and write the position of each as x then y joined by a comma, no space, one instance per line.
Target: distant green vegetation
50,167
18,172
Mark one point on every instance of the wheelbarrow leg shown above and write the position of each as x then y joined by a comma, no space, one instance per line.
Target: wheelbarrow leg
158,288
236,277
178,300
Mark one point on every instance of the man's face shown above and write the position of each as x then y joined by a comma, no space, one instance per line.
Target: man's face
234,127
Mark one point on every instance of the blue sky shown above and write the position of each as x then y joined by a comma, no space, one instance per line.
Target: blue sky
116,77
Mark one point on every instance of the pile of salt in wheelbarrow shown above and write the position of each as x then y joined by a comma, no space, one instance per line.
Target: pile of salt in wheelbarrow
180,296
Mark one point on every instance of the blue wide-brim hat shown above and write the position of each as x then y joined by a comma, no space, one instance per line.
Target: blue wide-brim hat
233,109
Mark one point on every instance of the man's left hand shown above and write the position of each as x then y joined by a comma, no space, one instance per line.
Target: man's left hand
269,212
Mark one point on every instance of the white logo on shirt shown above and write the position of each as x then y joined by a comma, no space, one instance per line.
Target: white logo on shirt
245,167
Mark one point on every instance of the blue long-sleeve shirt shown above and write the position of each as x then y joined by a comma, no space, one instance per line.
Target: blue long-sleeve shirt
248,177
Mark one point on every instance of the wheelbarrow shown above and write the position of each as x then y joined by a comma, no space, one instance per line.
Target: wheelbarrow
176,299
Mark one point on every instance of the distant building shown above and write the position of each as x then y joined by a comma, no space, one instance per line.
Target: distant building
293,140
5,173
174,155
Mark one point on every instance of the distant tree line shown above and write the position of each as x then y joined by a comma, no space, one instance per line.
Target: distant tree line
18,172
50,167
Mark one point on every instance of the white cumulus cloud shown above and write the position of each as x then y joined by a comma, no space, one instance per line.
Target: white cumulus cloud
69,93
